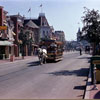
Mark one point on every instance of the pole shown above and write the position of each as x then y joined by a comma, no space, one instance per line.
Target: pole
94,81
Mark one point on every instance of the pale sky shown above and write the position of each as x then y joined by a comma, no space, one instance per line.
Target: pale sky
61,14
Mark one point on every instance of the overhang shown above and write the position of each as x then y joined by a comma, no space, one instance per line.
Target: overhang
6,43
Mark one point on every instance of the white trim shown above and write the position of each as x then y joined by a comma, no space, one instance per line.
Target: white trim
6,43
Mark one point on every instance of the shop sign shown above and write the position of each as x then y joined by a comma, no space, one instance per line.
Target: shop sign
3,27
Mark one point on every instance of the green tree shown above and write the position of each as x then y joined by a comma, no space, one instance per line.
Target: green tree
23,39
91,27
27,39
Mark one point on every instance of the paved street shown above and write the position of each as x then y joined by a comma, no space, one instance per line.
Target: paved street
26,79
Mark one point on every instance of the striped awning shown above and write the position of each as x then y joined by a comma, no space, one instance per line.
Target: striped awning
6,43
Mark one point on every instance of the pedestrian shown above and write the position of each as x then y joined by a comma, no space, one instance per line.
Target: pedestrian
80,51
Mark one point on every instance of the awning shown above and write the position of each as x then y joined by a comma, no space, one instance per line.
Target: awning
6,43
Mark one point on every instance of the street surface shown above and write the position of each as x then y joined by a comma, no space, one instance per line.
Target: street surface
26,79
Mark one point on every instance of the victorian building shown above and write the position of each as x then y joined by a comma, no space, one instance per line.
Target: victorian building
18,21
31,30
45,29
6,35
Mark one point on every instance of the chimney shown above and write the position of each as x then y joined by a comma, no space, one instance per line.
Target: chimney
1,16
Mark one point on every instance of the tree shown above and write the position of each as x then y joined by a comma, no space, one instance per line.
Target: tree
27,39
91,26
23,39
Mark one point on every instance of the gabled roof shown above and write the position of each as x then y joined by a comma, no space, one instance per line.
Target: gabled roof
30,23
36,21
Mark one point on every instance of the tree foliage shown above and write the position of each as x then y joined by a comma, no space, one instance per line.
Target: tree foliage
91,26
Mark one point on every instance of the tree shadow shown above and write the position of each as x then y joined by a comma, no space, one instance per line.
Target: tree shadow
31,64
81,72
84,57
97,95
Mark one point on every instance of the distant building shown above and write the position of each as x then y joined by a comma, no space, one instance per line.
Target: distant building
59,35
79,35
81,42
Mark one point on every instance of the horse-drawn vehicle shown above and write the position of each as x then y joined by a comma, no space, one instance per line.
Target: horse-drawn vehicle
54,49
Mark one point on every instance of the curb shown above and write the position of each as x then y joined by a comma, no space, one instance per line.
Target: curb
87,91
17,60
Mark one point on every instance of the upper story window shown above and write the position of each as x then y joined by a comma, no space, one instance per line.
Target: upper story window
43,32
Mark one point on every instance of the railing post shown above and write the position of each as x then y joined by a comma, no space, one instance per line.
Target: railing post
94,80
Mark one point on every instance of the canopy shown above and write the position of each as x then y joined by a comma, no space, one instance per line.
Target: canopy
6,43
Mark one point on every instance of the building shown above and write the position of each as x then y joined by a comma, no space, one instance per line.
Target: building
18,21
45,29
59,35
6,36
79,35
32,32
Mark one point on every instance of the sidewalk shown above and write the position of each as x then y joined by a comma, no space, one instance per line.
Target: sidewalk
15,59
26,57
90,92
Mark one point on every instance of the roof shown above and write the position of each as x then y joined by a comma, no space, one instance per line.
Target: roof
31,24
36,21
17,16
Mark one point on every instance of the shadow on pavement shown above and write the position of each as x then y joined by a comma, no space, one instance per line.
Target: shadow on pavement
84,57
52,61
80,87
80,72
31,64
97,95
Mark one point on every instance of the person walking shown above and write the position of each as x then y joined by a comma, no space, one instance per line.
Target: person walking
80,51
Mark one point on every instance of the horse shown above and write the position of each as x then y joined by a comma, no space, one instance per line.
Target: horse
42,55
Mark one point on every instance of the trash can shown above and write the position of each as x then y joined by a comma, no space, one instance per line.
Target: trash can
98,75
12,58
97,57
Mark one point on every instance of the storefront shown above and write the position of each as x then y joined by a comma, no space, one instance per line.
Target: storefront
6,49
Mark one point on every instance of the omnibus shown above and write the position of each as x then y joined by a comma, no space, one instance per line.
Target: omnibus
54,49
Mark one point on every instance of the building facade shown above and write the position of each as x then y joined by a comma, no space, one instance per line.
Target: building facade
6,36
59,35
45,29
18,21
32,32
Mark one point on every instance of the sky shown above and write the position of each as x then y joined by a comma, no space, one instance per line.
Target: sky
63,15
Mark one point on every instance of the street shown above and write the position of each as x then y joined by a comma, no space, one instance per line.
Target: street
26,79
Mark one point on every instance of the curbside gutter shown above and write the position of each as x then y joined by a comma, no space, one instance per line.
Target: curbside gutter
87,91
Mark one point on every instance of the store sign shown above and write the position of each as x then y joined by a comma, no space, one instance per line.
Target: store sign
3,27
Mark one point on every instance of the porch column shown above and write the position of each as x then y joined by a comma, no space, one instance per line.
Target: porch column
12,54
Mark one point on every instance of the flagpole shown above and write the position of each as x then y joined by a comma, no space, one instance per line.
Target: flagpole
41,8
29,11
30,14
